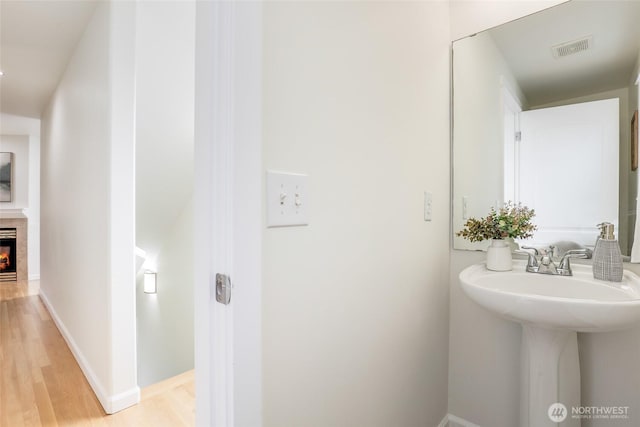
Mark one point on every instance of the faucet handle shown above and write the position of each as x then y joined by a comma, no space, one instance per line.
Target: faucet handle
532,261
565,264
585,252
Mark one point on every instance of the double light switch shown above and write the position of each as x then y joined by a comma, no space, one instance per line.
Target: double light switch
287,199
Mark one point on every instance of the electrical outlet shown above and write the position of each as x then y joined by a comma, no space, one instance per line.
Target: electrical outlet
465,207
428,208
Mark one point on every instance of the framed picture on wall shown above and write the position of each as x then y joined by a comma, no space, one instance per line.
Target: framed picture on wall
634,141
6,176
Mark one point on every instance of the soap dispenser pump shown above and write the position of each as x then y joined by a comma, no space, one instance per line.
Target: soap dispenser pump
607,258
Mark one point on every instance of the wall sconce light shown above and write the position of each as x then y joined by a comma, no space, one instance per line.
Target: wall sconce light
150,282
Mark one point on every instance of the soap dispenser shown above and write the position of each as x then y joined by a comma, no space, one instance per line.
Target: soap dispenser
607,258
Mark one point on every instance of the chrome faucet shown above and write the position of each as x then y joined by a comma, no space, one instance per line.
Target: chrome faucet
546,265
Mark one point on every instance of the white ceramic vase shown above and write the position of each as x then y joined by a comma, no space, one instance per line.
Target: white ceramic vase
499,256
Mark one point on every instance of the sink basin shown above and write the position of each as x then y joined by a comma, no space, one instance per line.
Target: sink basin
579,302
551,310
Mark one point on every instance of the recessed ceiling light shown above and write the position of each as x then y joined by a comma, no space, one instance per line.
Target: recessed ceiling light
1,73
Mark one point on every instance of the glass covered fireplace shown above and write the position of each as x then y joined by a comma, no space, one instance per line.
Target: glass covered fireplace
8,258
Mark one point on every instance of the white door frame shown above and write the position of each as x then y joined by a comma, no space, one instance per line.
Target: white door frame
510,104
635,239
228,212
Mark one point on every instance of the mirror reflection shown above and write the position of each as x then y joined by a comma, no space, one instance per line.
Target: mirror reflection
542,115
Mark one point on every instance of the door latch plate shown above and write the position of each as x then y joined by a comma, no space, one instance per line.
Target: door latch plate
223,289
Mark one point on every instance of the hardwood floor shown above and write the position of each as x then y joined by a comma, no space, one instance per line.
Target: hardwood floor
42,385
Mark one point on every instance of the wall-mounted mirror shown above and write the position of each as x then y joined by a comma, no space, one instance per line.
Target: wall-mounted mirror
542,115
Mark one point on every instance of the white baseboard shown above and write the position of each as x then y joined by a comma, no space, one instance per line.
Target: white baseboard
111,404
34,277
453,421
123,400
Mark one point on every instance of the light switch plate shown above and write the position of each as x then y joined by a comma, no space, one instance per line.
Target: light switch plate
287,199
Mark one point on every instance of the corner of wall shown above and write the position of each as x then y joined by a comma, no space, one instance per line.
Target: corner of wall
92,378
87,204
121,203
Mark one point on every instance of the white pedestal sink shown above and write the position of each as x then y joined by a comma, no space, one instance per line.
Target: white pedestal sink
551,310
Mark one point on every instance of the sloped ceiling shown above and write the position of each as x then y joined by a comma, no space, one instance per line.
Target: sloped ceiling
526,46
165,79
37,39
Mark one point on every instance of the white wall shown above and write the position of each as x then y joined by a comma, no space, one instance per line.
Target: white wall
484,352
165,319
30,196
19,125
484,357
355,313
165,66
87,205
471,16
608,361
165,52
478,130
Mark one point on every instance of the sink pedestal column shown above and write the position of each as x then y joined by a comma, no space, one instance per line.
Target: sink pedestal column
550,374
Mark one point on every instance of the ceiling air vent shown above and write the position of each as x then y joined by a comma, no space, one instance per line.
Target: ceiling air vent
569,48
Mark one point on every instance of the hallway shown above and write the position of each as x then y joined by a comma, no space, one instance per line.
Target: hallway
42,385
